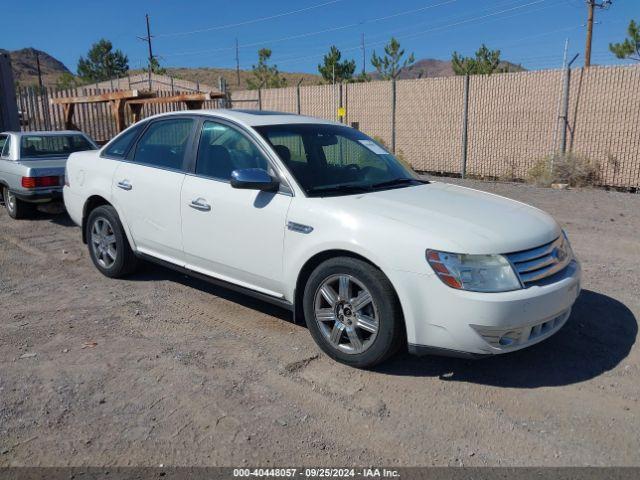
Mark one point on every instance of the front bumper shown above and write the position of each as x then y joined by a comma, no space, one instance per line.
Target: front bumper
452,322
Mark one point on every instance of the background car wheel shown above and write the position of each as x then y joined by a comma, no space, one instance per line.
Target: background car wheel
352,312
108,245
16,208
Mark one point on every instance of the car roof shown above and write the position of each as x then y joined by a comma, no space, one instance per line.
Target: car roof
255,118
44,132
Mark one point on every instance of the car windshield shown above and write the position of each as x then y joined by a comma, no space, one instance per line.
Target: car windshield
335,160
40,146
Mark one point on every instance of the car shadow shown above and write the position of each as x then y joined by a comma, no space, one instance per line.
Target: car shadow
53,212
597,337
153,272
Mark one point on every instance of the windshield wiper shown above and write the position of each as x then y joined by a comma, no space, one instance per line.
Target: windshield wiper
340,189
394,182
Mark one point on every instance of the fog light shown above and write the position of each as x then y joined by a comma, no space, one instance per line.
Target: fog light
508,338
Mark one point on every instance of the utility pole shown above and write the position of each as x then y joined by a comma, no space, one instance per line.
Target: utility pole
42,93
148,40
592,5
364,57
39,72
237,63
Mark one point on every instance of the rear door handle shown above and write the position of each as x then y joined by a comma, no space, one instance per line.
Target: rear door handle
200,204
125,185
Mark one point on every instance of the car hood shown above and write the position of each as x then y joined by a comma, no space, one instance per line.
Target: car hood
459,219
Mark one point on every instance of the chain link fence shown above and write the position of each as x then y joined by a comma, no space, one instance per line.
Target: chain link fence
512,121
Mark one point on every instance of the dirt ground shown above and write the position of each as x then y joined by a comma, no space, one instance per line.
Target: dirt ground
163,369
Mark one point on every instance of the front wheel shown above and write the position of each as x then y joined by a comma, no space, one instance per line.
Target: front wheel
108,245
352,312
17,208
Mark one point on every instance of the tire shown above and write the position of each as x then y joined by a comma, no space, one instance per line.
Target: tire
16,208
109,248
342,322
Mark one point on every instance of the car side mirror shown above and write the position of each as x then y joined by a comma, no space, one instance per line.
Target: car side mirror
254,179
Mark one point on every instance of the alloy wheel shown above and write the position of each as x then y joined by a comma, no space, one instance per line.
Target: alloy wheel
10,201
346,314
103,242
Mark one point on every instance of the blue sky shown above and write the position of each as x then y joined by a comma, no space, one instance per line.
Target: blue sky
203,33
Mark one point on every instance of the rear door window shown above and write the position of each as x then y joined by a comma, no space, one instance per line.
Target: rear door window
165,143
120,145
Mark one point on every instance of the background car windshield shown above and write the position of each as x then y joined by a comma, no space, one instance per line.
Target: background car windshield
38,146
331,157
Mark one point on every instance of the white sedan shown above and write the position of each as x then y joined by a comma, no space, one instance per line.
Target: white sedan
317,217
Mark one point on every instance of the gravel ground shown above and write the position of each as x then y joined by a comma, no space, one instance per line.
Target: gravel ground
163,369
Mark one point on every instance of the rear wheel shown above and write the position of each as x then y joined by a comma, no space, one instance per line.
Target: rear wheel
352,312
108,245
17,208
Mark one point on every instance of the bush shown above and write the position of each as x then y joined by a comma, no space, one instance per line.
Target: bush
572,169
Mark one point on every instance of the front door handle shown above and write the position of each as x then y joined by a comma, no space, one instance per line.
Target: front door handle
125,185
200,204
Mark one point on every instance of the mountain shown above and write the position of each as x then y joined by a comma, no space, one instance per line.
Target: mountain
210,76
430,67
25,70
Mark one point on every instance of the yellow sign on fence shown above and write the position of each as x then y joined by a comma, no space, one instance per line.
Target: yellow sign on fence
342,111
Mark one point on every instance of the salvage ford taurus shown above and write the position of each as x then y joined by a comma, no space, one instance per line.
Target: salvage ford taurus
317,217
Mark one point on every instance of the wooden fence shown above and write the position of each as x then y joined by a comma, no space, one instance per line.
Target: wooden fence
95,119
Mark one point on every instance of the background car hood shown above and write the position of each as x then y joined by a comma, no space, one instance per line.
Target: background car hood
460,219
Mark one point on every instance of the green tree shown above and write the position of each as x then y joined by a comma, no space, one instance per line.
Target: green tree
630,48
264,75
67,81
393,62
362,77
155,67
102,63
332,68
485,62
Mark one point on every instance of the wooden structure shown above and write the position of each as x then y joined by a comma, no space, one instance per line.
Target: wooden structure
115,99
136,99
193,101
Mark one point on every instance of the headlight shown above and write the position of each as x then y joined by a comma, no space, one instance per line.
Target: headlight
478,273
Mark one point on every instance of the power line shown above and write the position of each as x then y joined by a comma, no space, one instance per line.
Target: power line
414,34
248,22
317,32
307,34
433,29
442,27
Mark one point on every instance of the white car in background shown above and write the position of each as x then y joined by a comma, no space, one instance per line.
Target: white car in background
317,217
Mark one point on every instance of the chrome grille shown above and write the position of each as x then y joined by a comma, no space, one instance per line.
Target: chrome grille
539,263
